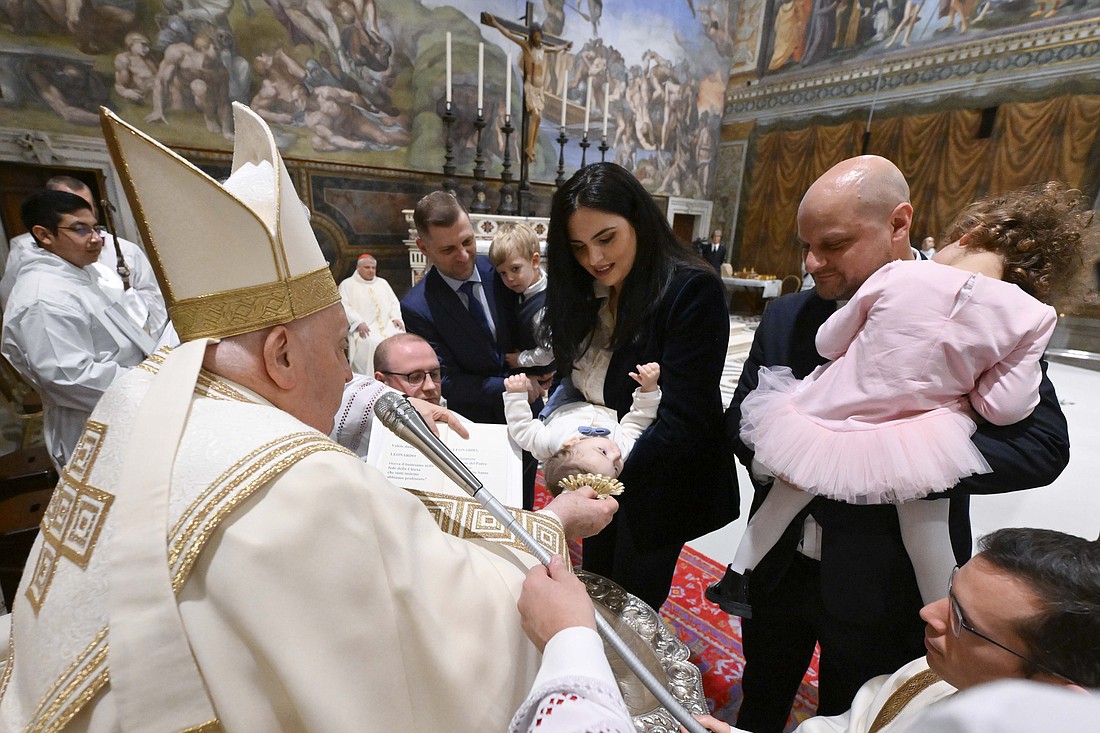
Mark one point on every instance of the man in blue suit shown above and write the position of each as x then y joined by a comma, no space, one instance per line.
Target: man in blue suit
467,314
840,576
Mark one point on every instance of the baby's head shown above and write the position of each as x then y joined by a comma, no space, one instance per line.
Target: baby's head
1043,233
515,255
595,454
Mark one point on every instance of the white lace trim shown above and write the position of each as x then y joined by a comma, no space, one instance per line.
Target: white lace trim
573,705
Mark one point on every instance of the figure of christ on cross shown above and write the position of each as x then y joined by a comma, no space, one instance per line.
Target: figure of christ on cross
536,70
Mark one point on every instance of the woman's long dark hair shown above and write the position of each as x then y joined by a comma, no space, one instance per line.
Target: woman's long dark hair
571,305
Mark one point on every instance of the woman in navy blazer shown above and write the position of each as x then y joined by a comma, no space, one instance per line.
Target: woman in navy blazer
613,260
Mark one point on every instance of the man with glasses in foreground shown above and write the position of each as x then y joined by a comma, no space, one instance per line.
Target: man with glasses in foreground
1027,606
408,363
62,331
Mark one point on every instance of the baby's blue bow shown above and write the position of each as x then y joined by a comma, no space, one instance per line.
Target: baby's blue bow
591,432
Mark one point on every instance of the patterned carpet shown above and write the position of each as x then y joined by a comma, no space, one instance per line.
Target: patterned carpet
713,637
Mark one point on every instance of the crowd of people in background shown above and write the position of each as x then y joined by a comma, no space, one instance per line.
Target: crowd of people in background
603,355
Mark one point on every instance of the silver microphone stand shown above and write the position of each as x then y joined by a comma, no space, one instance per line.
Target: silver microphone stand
397,414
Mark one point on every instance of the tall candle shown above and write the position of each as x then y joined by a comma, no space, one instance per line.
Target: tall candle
587,107
564,90
448,67
606,95
480,77
508,87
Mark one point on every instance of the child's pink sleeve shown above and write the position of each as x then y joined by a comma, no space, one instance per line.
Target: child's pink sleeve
840,330
1009,390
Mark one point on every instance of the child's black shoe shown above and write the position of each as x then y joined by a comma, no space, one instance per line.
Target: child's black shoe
731,593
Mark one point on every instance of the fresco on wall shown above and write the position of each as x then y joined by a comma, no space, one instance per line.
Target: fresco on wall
363,80
808,32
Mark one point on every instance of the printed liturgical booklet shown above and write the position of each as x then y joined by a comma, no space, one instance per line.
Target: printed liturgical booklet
489,454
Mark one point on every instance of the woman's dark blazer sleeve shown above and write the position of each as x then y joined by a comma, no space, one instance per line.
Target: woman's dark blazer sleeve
680,479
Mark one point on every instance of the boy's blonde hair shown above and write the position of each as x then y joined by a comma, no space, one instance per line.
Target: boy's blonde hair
514,238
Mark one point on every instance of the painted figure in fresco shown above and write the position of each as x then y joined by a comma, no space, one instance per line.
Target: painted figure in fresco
280,75
71,88
536,74
97,25
790,32
821,32
908,20
962,9
705,149
196,73
341,120
135,69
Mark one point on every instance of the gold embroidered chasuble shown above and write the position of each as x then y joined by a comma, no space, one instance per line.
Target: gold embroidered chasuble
886,703
315,595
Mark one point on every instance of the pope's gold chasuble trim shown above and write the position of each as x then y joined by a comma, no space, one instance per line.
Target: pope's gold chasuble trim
902,696
74,517
466,519
233,312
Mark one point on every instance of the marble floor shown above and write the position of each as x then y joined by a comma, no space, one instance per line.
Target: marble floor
1071,504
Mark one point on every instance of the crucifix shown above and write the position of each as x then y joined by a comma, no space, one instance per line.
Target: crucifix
535,46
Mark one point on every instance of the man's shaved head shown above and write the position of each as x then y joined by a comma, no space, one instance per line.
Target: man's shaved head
853,220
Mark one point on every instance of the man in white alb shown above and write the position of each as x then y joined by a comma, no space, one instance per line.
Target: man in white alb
376,309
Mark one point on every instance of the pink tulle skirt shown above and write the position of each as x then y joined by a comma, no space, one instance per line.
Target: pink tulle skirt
887,464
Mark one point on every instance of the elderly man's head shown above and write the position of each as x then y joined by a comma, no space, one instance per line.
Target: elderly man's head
853,220
1027,606
300,367
367,267
409,364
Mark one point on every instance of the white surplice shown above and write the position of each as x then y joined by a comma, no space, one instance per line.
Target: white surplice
376,306
70,340
315,595
143,301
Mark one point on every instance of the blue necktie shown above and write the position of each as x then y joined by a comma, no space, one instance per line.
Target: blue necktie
476,310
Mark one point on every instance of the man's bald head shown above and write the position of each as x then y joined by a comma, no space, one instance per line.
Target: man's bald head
870,182
853,220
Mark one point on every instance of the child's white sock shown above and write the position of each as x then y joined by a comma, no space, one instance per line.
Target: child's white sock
779,509
924,531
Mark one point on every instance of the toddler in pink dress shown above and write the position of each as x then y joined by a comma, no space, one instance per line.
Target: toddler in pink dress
918,349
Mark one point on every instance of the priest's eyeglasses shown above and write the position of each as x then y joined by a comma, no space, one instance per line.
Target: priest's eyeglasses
417,378
958,623
83,231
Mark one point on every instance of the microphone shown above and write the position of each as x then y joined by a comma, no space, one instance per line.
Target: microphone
397,414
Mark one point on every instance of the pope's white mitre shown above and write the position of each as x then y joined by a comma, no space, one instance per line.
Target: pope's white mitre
231,258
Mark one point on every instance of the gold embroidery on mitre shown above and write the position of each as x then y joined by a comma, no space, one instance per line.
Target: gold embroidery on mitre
233,312
74,517
467,519
902,696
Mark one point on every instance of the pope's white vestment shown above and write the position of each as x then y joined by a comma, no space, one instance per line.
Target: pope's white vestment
70,339
143,301
376,306
315,595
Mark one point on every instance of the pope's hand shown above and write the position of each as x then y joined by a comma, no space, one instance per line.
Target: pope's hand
433,413
581,513
553,599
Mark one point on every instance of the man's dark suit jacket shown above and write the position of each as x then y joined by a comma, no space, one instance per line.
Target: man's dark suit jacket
714,258
474,364
866,577
865,571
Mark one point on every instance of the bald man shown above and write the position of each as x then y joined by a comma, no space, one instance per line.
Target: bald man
840,576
